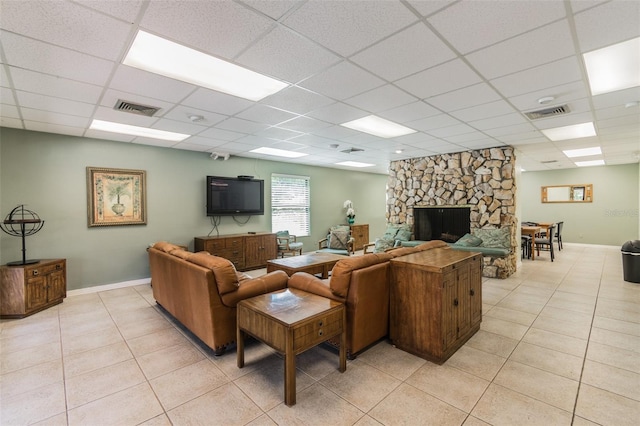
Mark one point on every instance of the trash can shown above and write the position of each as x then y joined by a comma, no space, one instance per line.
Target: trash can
631,261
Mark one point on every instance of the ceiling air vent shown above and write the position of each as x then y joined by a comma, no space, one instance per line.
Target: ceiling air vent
350,150
547,112
126,106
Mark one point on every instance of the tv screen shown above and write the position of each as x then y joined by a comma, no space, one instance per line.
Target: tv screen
228,196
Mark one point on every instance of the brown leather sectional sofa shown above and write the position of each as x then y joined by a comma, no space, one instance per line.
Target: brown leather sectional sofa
201,291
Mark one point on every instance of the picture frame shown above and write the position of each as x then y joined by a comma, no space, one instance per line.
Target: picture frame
116,197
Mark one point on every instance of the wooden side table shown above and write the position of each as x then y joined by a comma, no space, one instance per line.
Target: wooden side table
291,321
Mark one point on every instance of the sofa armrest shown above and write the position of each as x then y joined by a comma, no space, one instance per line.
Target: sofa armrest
368,248
276,280
311,284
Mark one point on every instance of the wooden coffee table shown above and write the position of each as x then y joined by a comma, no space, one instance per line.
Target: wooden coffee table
312,263
291,321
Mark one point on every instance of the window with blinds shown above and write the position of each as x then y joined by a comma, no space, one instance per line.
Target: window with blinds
290,204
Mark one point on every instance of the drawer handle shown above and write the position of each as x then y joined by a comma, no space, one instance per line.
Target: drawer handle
455,302
320,333
58,266
472,292
35,272
320,323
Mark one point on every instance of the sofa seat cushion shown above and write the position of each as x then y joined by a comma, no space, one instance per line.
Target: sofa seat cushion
223,270
341,273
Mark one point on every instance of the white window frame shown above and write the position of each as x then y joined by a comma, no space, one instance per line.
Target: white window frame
291,204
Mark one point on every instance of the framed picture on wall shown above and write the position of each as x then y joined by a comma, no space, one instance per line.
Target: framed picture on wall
116,197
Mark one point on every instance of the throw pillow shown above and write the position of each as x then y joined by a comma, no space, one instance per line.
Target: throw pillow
403,235
469,240
338,240
383,244
494,238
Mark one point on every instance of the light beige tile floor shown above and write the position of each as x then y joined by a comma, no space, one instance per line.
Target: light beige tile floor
559,345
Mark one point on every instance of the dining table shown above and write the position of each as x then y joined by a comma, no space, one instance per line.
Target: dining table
532,231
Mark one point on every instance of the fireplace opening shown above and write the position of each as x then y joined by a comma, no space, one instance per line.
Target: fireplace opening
448,224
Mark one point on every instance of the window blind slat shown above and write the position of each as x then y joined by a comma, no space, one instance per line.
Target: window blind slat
290,204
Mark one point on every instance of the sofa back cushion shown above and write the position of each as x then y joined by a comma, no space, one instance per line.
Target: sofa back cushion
430,245
341,273
166,247
223,270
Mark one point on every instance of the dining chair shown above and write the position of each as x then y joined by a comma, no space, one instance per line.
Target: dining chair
559,235
545,242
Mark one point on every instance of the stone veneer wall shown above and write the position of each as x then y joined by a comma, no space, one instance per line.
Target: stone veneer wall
481,179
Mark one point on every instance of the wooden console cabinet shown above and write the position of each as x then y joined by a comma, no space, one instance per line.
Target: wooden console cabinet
27,289
436,301
360,234
245,251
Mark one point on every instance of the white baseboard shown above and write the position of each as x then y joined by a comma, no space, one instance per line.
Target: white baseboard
106,287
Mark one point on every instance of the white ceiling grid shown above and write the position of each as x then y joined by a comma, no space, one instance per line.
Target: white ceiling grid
460,73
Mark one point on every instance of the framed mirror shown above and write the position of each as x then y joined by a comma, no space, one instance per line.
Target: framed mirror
581,193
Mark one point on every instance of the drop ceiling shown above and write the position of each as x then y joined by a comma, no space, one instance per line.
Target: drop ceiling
462,74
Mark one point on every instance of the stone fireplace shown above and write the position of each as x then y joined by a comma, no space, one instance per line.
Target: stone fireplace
448,224
481,180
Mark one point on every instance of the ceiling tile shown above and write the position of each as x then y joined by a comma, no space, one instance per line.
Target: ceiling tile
304,124
592,35
9,111
178,126
297,100
545,76
51,104
68,25
107,113
443,78
334,27
411,50
337,113
342,81
277,133
222,28
286,55
427,7
42,116
265,114
498,132
34,55
500,121
36,82
206,142
127,10
431,123
221,134
210,100
540,46
445,132
61,129
273,9
381,98
409,112
464,98
241,126
473,25
6,96
133,80
491,109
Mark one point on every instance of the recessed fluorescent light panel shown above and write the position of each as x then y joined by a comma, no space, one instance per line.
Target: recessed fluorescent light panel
589,163
378,127
354,164
575,131
164,57
614,68
278,152
583,152
126,129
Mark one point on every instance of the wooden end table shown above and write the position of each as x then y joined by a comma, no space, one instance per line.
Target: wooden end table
291,321
312,263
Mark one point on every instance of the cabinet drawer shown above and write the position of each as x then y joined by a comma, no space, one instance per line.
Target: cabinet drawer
233,243
44,269
214,245
316,331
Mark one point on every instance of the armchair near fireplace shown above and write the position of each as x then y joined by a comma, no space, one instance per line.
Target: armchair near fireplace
393,236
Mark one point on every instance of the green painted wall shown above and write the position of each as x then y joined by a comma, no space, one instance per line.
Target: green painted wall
612,217
47,173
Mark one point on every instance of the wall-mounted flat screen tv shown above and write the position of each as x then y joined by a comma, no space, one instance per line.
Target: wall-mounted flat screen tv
227,196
